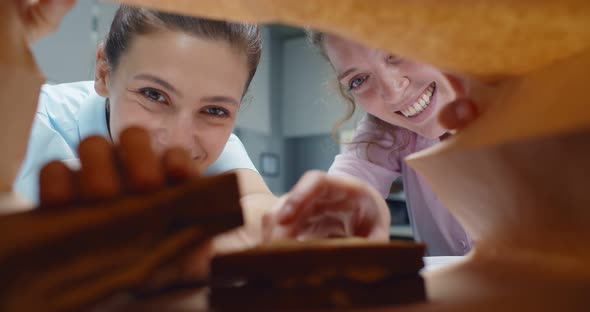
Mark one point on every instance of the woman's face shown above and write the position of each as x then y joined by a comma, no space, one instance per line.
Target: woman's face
398,91
184,90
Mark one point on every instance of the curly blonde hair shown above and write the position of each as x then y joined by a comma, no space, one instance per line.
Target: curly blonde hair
386,130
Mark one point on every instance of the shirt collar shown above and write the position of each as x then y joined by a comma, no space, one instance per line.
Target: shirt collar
92,117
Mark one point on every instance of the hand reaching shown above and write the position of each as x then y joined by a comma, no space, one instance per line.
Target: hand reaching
323,206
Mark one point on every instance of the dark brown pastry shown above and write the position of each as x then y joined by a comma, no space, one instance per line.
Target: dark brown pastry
336,273
63,259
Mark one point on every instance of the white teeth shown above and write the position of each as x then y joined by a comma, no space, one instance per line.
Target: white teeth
420,104
417,107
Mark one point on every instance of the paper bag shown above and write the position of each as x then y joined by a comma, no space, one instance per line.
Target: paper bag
517,178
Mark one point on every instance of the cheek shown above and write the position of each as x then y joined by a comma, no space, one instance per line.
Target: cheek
422,74
433,130
446,93
213,140
372,103
125,114
445,89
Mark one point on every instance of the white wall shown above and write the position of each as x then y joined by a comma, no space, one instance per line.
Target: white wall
256,108
311,101
257,142
68,54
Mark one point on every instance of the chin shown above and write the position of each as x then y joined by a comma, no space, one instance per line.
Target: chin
432,132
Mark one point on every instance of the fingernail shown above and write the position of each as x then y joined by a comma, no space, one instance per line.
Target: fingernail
286,212
302,189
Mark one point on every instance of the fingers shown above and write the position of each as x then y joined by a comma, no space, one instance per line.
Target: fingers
44,16
99,179
326,206
106,172
178,165
317,192
316,187
269,222
310,186
373,219
472,98
458,114
141,166
458,83
57,185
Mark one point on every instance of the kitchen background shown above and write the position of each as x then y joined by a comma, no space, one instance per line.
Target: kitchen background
286,118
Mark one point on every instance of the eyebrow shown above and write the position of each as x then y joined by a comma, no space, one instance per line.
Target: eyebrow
346,73
221,99
159,81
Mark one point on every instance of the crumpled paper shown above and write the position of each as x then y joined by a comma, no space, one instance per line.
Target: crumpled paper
543,46
517,178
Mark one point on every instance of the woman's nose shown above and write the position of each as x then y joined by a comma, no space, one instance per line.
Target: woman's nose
393,87
182,133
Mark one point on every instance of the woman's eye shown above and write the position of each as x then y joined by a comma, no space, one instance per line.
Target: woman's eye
357,82
153,95
216,111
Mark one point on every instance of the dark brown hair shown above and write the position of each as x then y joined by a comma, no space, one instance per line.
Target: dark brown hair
132,21
399,136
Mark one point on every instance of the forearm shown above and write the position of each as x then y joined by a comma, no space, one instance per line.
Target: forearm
381,231
254,207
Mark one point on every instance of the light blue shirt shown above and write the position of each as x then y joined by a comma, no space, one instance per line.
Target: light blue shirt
68,113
